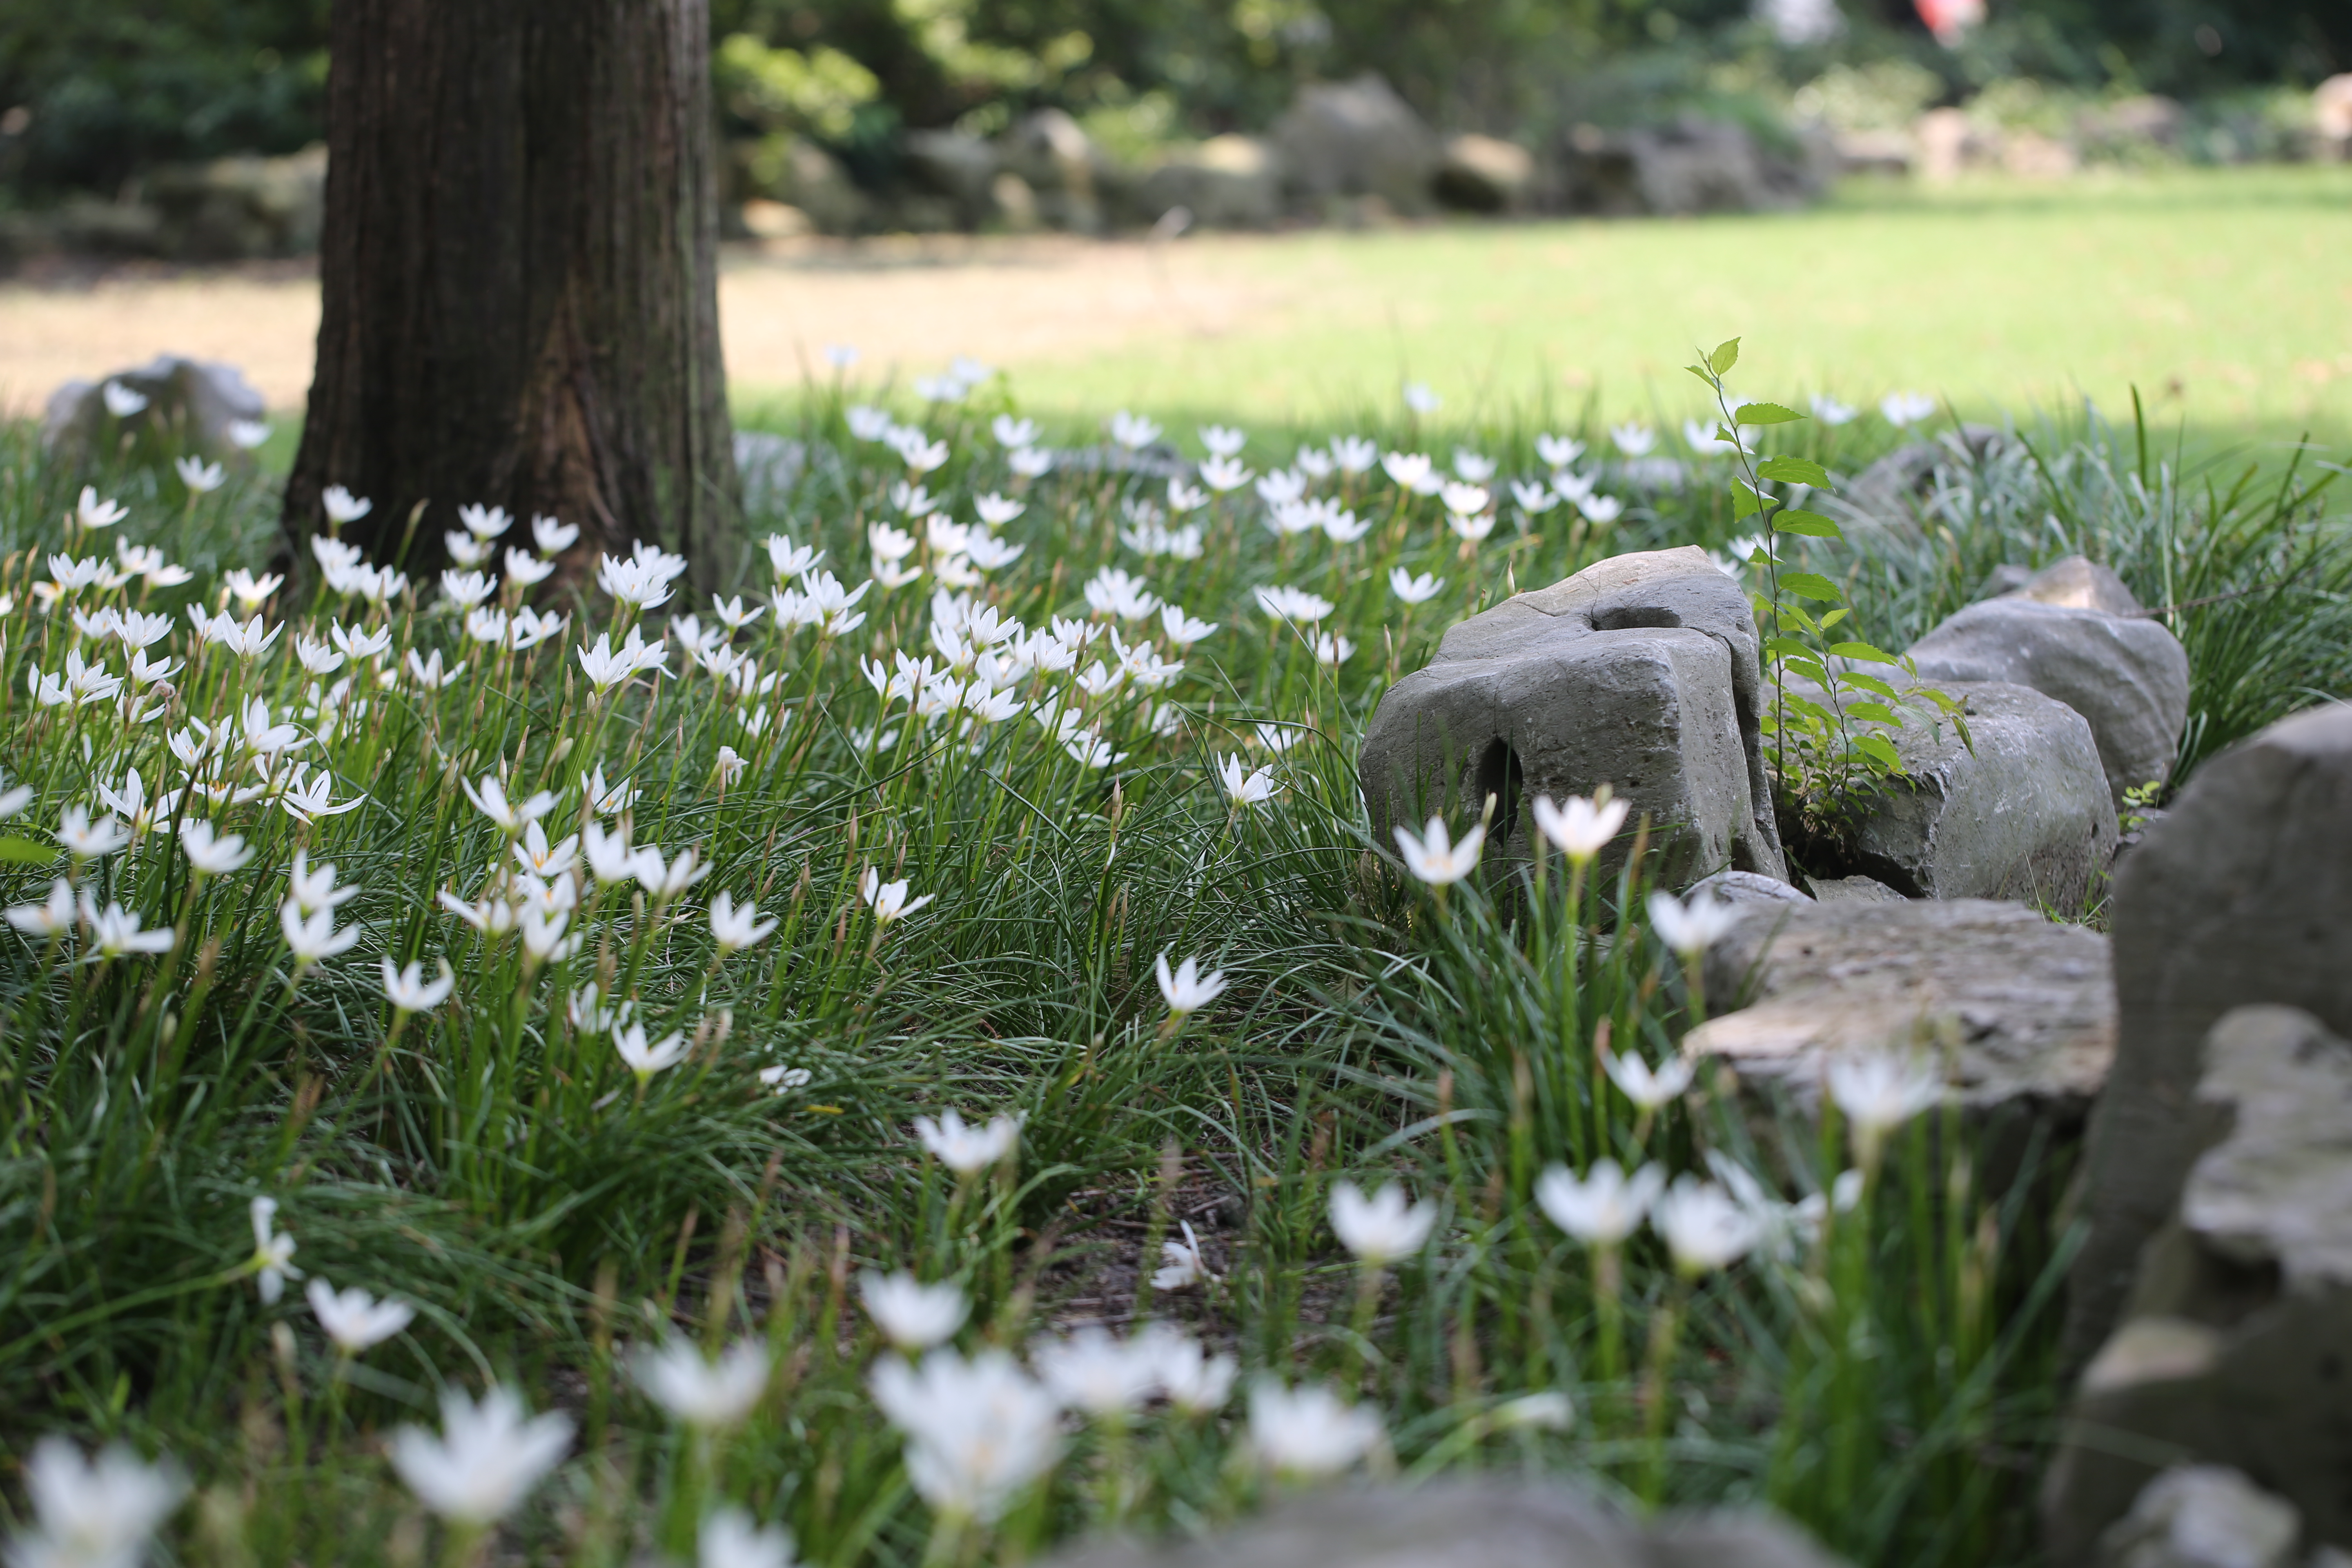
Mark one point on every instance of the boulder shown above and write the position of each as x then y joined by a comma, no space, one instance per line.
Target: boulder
2022,813
1052,154
2236,1345
1483,174
2331,115
2026,1005
1639,672
2123,672
241,208
2203,1516
1358,139
800,174
1886,496
2241,894
1749,888
191,404
1693,165
957,165
1226,181
1469,1524
1854,890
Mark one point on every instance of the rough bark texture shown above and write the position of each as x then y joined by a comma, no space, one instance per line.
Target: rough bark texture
519,275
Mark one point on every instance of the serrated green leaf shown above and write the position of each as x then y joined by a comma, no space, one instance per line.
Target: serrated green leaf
1880,747
24,852
1745,502
1864,651
1724,356
1780,647
1794,472
1871,683
1812,524
1806,708
1808,668
1764,413
1810,585
1834,617
1701,372
1795,613
1877,711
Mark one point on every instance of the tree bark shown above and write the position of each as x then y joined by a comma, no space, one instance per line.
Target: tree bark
519,279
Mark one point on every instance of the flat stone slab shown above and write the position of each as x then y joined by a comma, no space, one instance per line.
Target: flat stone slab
2028,1002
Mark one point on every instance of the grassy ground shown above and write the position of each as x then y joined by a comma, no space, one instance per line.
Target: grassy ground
553,1213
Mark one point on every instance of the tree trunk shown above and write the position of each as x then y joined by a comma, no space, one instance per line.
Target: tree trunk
518,276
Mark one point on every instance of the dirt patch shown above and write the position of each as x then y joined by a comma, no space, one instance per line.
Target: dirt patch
907,304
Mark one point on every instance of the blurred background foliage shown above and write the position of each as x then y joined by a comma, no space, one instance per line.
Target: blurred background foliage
93,95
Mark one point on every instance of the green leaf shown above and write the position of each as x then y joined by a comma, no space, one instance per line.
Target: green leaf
1795,613
1864,651
24,852
1724,356
1808,668
1745,501
1781,648
1876,711
1871,683
1812,524
1834,617
1806,708
1764,413
1701,372
1883,750
1810,585
1795,471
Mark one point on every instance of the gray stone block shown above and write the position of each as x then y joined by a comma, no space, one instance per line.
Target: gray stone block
2024,816
2126,674
2241,894
1474,1525
192,401
1639,672
2236,1347
2203,1516
1357,137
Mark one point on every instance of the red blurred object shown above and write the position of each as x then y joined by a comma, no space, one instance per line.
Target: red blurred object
1950,20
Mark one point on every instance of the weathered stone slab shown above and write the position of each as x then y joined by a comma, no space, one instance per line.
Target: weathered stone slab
2236,1347
2026,1004
2241,894
1639,672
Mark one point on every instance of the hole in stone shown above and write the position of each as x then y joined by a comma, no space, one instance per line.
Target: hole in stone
1621,617
1497,774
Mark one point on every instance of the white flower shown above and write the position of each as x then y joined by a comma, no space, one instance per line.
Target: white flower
537,856
1701,438
1013,433
362,643
1550,1411
428,672
667,881
704,1392
409,992
730,1538
1581,829
1464,501
1243,787
966,1149
1646,1088
1606,1206
866,422
1830,411
93,1513
1413,590
1196,1382
888,899
1091,1372
491,801
1690,929
920,454
1031,462
273,1251
1133,431
245,435
1307,1431
342,507
213,855
784,1079
1413,471
1223,440
1879,1091
485,522
1111,592
610,858
53,917
735,929
1559,451
1182,1264
1634,439
200,476
1354,454
1380,1228
1331,652
114,933
85,840
1294,604
912,1315
1436,857
1188,990
648,1057
1904,409
1601,509
1472,467
490,1456
1224,474
466,589
602,801
1419,398
14,800
315,937
979,1432
1535,496
121,401
355,1320
1703,1227
632,582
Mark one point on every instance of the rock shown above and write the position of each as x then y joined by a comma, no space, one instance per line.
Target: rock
191,404
2331,114
2126,674
957,165
1887,494
2004,579
2025,815
1639,672
2147,123
2202,1516
2238,1335
1692,166
764,219
1468,1524
1854,890
1227,181
1948,142
1749,888
1481,175
1888,153
241,208
1053,156
2027,1003
803,176
1357,139
2241,894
